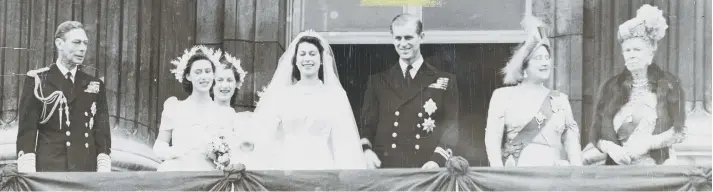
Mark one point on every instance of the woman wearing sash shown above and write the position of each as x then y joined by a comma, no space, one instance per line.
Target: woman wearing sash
528,124
640,112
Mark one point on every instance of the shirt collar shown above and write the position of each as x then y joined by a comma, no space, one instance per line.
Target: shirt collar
64,70
416,66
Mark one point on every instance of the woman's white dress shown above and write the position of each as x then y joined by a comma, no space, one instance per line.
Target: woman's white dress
315,130
193,128
250,148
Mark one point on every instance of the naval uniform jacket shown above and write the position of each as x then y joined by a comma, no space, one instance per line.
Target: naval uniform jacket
407,125
58,147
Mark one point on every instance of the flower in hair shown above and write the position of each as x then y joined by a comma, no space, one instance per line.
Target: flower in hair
260,94
212,54
182,61
236,63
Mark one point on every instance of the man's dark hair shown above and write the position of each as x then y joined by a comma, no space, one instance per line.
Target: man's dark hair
66,27
405,18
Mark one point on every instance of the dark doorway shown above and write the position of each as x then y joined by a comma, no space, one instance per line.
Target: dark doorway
476,66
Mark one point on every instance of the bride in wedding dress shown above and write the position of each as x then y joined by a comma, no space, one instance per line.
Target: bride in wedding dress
306,119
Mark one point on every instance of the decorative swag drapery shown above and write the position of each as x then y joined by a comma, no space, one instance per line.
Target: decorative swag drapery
457,174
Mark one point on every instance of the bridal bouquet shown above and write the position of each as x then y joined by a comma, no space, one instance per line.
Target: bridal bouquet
221,152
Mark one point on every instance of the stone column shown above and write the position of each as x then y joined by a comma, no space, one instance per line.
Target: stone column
209,23
566,20
252,32
694,69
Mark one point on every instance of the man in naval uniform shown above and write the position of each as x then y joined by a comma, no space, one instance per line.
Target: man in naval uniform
64,124
409,115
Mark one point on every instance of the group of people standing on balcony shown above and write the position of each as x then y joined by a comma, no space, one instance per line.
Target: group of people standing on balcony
303,119
639,113
409,119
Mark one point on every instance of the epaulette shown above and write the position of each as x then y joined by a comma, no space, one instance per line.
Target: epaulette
33,73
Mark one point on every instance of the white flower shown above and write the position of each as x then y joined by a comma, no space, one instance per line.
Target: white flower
236,63
430,106
260,94
428,125
182,61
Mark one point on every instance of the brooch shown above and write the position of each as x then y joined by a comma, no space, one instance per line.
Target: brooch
540,118
428,124
430,107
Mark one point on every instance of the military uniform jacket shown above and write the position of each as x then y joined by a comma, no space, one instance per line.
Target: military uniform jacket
59,147
407,125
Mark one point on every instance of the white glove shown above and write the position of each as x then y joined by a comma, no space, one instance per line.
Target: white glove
430,165
372,161
616,152
103,163
26,163
163,151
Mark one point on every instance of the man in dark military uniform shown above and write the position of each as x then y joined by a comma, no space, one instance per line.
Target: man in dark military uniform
64,124
409,115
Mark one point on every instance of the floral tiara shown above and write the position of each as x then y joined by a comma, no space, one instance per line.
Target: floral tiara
236,63
182,62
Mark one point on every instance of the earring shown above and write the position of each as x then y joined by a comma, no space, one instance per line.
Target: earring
524,74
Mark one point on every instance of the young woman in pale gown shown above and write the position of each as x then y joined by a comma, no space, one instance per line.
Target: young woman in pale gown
529,124
640,112
188,126
312,124
229,77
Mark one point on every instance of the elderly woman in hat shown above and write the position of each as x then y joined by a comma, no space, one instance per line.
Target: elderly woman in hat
529,124
640,112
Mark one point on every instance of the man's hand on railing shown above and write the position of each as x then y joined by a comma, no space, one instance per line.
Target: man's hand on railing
372,161
26,163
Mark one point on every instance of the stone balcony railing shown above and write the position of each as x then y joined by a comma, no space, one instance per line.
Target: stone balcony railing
132,153
696,149
128,154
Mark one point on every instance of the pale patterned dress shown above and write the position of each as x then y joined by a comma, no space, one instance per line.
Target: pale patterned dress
546,148
192,131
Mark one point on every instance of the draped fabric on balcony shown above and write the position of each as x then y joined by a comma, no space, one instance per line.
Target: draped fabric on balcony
457,176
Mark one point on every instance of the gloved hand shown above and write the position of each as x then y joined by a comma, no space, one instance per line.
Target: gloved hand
26,163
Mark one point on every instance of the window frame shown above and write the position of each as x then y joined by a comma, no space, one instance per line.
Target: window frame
295,23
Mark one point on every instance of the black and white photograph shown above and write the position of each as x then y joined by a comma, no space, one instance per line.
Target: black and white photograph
356,95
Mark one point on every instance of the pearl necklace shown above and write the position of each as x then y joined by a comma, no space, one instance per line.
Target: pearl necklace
640,82
639,90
